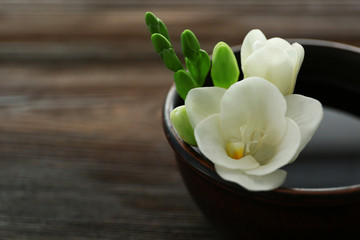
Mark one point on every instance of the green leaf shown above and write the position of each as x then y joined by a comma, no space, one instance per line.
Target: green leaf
199,67
182,125
184,83
190,44
155,25
225,70
166,52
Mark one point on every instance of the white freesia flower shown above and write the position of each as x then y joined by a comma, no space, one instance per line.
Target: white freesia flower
251,130
274,59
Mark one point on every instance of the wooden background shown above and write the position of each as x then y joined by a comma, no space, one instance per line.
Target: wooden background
82,152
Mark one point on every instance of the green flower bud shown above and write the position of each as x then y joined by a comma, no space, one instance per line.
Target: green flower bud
225,70
190,44
155,25
184,83
164,49
199,67
182,125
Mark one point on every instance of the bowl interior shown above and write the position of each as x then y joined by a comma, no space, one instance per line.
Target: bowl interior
331,161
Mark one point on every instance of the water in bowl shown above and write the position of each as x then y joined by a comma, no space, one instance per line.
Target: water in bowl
332,157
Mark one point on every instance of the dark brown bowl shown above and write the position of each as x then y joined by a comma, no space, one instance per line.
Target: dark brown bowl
331,74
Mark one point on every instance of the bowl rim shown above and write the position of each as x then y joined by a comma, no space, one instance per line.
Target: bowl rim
199,162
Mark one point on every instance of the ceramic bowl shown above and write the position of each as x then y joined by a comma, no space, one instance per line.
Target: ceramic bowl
330,73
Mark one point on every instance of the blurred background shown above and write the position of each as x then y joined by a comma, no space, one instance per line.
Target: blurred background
82,151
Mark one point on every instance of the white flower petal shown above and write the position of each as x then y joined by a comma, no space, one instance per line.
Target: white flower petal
301,53
307,113
284,152
274,64
300,57
203,102
212,144
292,57
250,182
253,102
277,42
251,43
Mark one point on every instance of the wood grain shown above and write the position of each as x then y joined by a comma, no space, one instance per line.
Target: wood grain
82,150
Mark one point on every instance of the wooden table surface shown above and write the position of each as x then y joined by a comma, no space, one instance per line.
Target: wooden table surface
82,151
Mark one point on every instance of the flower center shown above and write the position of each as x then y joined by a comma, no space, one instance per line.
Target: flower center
235,150
249,143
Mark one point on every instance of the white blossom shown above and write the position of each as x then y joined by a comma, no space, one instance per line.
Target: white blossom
275,60
251,130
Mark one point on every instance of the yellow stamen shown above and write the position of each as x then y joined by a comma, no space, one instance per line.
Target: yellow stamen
235,150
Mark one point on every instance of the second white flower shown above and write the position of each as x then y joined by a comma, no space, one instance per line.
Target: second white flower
274,59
